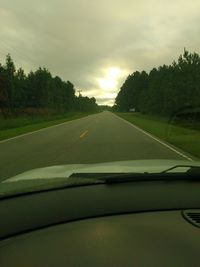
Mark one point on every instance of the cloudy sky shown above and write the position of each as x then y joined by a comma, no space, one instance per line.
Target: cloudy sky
96,44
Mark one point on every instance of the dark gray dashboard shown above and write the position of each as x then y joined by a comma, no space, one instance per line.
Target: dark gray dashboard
34,211
143,239
127,224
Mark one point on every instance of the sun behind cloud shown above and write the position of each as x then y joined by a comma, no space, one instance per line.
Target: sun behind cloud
109,83
111,79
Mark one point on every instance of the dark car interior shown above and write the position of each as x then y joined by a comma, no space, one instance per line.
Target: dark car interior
138,223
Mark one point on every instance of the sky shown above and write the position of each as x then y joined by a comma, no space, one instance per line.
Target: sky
97,44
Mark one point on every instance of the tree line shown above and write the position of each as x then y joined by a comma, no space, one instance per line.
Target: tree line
38,90
163,90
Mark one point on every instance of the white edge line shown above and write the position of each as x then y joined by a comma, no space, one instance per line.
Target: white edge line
156,139
40,130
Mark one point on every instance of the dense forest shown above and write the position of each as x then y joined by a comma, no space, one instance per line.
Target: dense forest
163,90
37,92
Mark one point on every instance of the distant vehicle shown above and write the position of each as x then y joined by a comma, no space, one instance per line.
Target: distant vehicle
132,110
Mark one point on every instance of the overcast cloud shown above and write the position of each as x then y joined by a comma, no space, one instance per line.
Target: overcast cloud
96,44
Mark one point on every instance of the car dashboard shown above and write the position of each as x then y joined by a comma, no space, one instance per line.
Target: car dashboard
128,224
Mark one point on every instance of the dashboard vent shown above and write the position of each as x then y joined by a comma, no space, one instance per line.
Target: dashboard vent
192,216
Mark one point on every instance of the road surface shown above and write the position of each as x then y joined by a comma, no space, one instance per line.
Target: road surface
101,137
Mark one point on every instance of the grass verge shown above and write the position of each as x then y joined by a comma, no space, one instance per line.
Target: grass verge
35,124
186,139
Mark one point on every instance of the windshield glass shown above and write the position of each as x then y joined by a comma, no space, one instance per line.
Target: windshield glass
97,87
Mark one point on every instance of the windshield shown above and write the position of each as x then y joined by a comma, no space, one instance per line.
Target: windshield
97,87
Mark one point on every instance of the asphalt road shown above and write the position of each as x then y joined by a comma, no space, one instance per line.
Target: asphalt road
101,137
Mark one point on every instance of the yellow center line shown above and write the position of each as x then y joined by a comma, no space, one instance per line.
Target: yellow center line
83,134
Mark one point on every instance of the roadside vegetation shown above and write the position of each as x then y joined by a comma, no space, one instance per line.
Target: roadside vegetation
36,100
165,102
187,139
38,92
164,90
24,124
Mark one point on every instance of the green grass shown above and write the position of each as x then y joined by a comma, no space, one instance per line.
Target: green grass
184,138
21,125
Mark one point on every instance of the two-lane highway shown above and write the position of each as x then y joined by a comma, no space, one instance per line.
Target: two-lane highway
101,137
